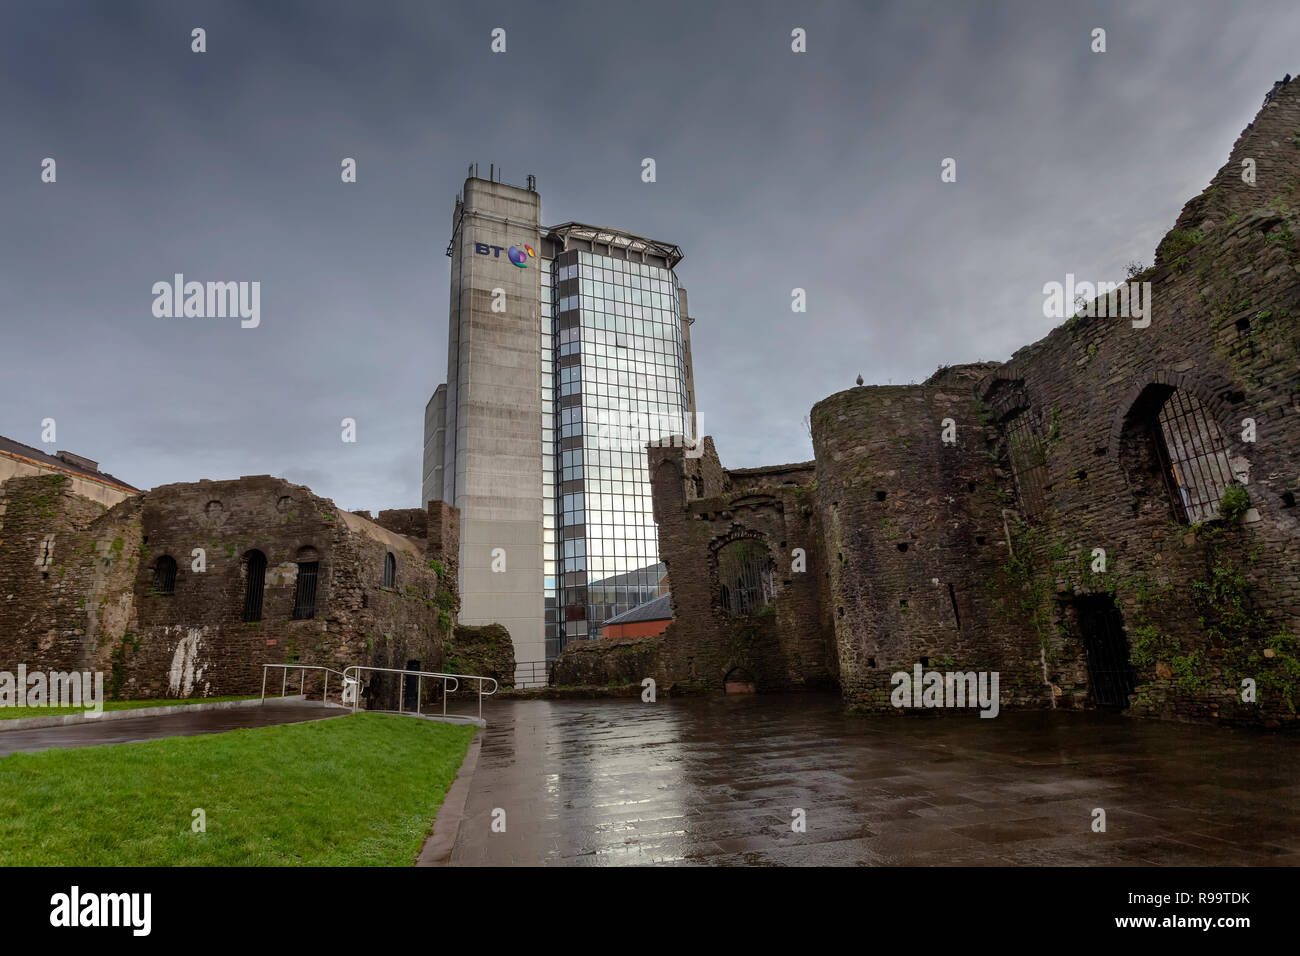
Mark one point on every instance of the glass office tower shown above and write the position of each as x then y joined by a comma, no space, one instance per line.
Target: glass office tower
619,376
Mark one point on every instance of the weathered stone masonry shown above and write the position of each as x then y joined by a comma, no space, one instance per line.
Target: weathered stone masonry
81,587
1048,524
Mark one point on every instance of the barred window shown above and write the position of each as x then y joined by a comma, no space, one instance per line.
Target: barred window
254,584
1028,454
304,599
1193,455
164,575
745,578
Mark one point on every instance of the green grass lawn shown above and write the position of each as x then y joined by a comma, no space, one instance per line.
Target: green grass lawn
360,790
12,713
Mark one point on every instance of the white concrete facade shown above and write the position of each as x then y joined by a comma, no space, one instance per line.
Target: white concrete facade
491,455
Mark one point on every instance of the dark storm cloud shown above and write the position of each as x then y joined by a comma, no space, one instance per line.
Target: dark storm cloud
775,171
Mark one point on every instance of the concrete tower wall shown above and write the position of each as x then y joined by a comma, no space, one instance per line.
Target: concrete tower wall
492,462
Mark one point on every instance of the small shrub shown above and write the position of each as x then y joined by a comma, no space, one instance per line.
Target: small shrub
1234,504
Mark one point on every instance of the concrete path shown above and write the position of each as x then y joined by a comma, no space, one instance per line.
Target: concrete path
715,781
91,733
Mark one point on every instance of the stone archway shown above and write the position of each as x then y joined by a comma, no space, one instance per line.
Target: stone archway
738,681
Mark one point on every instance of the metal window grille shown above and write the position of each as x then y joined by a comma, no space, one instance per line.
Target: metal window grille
390,570
1028,454
1193,457
304,599
745,576
164,575
1110,675
254,585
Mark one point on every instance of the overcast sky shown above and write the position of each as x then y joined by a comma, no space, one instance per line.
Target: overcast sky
776,170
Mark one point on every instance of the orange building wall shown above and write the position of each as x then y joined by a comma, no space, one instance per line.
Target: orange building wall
635,629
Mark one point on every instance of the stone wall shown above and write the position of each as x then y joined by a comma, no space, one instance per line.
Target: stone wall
913,533
1205,605
990,518
96,602
608,661
483,650
700,508
66,570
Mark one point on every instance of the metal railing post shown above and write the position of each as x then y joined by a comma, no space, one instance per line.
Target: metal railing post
444,697
264,683
302,681
401,694
419,684
325,694
284,683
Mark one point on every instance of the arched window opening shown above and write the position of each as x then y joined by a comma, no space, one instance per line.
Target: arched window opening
745,578
254,585
164,575
1190,451
1028,454
390,570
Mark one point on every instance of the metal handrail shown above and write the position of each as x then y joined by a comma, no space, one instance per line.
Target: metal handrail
302,678
420,675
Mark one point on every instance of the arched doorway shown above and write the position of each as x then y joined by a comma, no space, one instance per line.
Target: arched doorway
738,681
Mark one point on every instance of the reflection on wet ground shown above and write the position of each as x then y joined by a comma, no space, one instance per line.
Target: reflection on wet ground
90,732
715,781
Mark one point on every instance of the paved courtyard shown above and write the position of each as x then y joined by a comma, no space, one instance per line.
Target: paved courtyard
714,781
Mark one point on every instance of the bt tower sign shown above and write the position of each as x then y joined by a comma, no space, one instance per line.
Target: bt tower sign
518,255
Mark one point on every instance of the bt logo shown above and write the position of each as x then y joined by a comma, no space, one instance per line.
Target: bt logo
517,255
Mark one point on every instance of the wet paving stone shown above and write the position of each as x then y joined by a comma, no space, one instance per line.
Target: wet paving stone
127,730
714,781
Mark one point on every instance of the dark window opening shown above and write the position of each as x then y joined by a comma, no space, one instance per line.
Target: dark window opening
880,496
411,687
304,599
254,585
164,575
1288,499
746,581
1028,455
902,546
390,570
952,596
1110,675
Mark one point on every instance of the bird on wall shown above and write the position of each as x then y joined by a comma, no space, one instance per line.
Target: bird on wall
859,379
